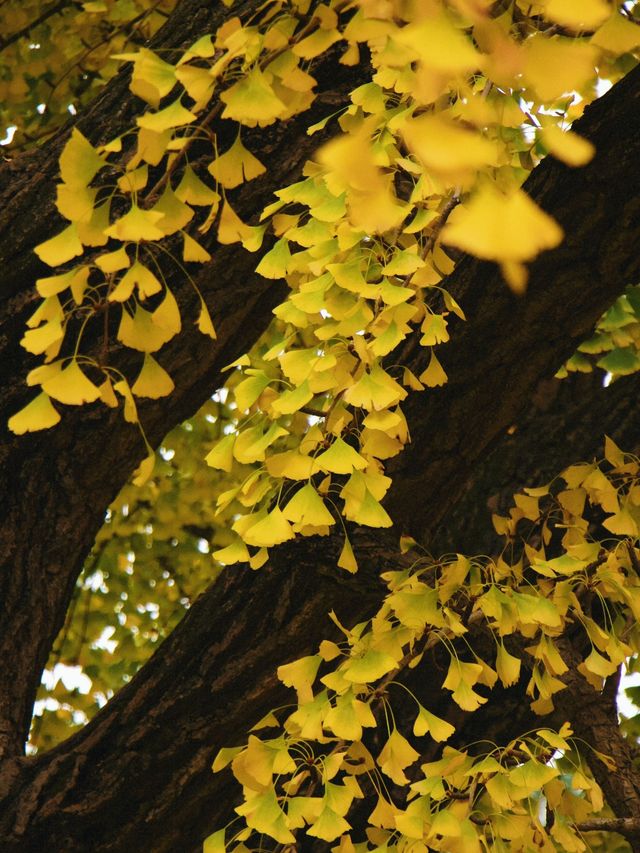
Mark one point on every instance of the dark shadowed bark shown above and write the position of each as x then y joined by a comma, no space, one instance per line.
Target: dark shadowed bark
137,777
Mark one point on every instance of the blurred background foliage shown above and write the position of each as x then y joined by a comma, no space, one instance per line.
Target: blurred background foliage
54,57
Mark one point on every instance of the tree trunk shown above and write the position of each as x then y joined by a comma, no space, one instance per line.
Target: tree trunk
137,777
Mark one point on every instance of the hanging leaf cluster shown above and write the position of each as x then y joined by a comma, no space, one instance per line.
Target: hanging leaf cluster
428,159
345,739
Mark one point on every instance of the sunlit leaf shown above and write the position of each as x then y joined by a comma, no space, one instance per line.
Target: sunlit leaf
153,380
36,415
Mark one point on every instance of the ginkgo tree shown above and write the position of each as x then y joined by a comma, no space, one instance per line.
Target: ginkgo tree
402,235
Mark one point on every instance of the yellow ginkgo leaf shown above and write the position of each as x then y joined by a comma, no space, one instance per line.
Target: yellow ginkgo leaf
440,730
467,698
507,666
300,674
221,455
434,374
198,83
167,315
445,823
251,100
192,251
175,115
38,414
370,512
39,340
555,66
276,261
107,394
215,843
258,560
130,409
617,34
71,386
134,180
434,330
175,213
231,229
45,371
343,718
375,390
136,225
307,507
501,226
251,444
76,203
440,45
370,666
113,261
291,401
236,166
91,232
194,191
137,276
49,310
567,146
273,529
446,147
347,559
316,43
263,813
204,322
236,552
51,285
152,77
340,458
140,332
532,775
153,380
291,464
151,146
248,391
61,248
79,161
328,826
396,755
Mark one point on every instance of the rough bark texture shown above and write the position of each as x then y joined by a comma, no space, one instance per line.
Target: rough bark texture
137,777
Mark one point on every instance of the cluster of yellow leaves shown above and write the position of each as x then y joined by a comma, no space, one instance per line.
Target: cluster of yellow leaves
120,231
308,776
431,153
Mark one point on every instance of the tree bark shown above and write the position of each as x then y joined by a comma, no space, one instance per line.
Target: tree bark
137,777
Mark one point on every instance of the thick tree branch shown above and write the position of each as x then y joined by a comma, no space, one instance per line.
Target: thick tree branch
627,826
